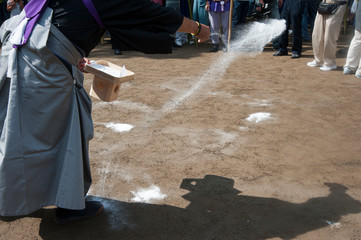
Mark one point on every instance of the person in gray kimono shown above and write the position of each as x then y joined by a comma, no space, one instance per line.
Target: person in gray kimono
45,113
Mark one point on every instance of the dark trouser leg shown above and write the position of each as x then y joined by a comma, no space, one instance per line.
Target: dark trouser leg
283,38
296,22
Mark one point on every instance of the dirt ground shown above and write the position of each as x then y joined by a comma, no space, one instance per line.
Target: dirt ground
294,175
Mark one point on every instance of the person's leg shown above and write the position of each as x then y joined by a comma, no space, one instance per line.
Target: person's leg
214,20
305,23
332,32
318,39
236,16
283,38
275,14
312,11
353,55
296,22
251,6
275,10
225,27
244,11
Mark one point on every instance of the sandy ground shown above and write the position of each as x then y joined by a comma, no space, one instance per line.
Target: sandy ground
294,174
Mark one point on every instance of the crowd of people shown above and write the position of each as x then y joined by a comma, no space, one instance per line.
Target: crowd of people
303,22
49,140
300,15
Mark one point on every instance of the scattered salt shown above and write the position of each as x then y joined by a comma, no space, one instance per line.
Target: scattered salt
258,117
119,127
147,195
243,128
334,224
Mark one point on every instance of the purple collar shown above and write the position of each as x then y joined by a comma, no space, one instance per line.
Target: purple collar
33,11
35,8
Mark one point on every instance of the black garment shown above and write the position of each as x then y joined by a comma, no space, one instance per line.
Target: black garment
139,25
292,13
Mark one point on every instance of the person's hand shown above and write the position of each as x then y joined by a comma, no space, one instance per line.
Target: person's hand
10,5
207,6
204,34
82,63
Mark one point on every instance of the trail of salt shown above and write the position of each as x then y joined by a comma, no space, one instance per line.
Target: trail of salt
252,41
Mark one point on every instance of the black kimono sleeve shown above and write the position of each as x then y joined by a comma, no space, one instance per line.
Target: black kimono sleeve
139,25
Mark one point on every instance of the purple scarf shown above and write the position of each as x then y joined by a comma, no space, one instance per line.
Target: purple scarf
33,11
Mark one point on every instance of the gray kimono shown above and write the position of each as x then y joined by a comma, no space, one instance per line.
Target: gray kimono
45,122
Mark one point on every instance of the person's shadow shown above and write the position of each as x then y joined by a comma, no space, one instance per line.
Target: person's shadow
216,211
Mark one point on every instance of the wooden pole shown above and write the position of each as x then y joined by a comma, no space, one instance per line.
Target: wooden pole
190,10
230,25
190,7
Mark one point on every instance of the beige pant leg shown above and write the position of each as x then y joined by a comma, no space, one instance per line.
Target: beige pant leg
354,53
332,32
318,38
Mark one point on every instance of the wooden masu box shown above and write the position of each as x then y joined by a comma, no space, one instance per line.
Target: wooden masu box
105,86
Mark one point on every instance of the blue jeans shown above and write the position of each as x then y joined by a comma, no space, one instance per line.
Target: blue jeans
240,10
292,13
308,17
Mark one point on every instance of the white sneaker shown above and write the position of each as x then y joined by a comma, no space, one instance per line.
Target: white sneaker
314,64
347,70
358,76
326,68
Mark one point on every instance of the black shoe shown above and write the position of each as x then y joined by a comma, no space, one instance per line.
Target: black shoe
215,48
64,216
295,55
280,53
117,52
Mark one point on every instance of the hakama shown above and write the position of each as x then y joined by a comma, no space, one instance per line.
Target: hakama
45,122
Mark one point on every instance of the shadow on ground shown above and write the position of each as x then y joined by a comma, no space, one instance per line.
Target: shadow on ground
216,211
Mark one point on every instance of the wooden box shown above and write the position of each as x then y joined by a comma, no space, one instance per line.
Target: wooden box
107,79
